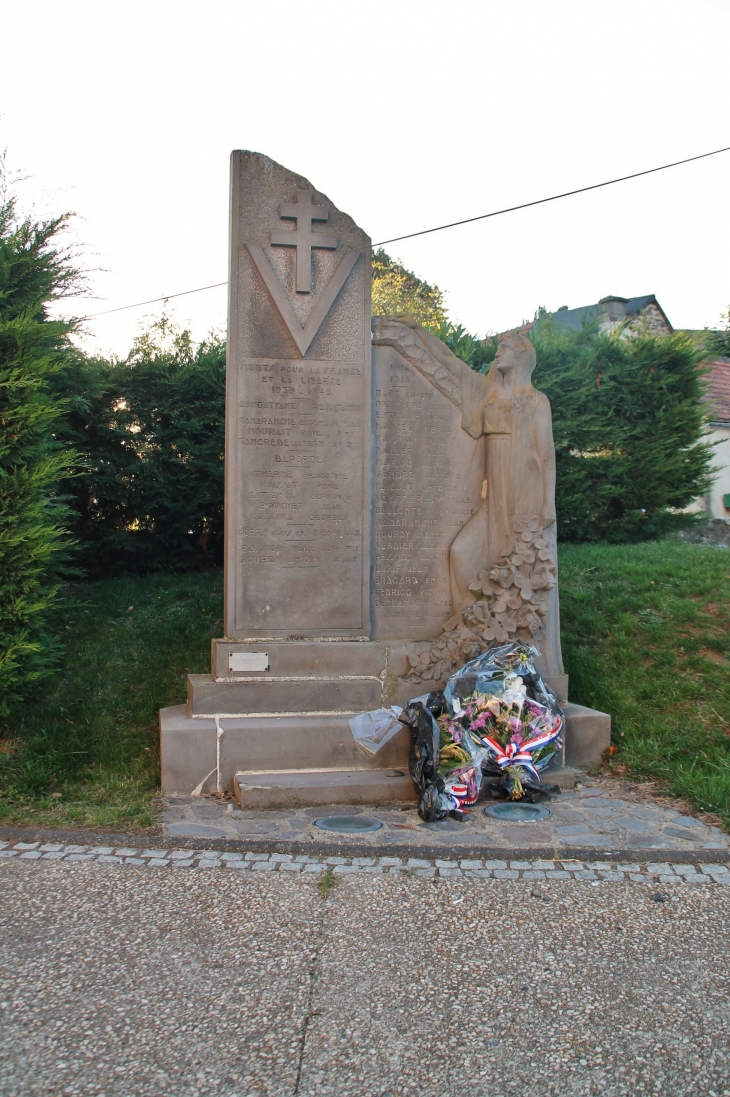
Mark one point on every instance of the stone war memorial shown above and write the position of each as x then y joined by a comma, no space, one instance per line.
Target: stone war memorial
389,514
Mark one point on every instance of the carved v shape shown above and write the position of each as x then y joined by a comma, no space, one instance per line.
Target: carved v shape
302,336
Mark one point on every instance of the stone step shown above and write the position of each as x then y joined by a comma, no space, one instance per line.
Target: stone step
304,787
270,696
309,787
191,748
563,776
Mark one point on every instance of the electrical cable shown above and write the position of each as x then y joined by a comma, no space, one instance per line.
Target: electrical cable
154,300
552,198
450,225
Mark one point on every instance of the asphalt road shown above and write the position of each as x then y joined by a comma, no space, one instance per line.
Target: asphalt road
123,981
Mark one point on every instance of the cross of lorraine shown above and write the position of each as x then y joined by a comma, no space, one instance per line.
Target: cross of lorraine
303,238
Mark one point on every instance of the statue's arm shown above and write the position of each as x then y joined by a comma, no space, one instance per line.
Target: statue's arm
458,369
446,357
467,389
546,452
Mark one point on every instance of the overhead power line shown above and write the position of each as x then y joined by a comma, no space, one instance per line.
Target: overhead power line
154,300
450,225
552,198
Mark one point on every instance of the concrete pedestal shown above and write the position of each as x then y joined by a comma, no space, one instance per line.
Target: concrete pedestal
280,737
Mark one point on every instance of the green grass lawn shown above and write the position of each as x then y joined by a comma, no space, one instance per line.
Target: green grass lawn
645,637
85,752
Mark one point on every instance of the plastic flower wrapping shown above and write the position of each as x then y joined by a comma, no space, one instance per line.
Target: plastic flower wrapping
493,729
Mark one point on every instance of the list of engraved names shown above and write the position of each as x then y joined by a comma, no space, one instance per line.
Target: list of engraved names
423,496
302,455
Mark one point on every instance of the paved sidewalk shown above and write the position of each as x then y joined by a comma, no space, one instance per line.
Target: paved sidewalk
600,815
128,979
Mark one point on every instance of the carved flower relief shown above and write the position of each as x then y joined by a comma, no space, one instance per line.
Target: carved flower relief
510,603
439,660
499,575
524,523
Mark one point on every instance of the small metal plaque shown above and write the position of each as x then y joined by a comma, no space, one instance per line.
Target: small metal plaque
248,660
348,824
517,811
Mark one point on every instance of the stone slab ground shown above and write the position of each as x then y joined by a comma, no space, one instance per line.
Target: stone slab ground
600,815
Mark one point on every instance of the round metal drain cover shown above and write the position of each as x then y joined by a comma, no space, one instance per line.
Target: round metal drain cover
348,824
517,812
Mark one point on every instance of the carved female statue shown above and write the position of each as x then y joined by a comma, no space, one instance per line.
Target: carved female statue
503,566
503,561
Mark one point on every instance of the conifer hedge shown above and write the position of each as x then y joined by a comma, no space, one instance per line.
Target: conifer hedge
627,420
34,271
151,431
628,423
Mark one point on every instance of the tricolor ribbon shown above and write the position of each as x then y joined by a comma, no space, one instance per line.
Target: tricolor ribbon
459,795
514,755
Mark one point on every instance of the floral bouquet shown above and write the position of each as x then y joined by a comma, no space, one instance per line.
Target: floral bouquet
520,735
491,729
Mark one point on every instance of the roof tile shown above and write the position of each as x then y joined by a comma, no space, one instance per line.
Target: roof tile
718,389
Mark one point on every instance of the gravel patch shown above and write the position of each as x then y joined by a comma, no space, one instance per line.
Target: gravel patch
407,979
152,982
430,988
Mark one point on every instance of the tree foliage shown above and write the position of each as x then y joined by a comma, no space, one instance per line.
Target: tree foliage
151,429
477,353
397,290
35,270
628,424
718,342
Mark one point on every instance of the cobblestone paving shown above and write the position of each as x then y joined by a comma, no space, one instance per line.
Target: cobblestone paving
121,977
664,872
602,814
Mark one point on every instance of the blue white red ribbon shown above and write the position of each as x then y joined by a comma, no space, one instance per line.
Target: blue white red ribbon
514,754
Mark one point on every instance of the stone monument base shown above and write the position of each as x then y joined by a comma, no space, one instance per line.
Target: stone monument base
278,735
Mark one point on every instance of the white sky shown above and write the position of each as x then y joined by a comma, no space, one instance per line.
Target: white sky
406,113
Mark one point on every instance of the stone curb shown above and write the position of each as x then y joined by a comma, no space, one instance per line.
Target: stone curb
352,848
536,869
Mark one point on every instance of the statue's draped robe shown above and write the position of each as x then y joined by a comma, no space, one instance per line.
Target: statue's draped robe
520,460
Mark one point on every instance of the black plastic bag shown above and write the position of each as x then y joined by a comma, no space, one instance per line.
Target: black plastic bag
436,704
430,806
423,757
500,785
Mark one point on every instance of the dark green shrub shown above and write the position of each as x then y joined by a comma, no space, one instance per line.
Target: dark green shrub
151,429
628,427
477,353
34,271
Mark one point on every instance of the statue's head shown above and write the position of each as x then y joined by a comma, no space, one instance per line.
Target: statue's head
515,354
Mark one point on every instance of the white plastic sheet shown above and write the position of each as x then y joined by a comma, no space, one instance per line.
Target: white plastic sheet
372,730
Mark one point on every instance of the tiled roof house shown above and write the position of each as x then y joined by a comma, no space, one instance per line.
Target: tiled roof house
718,404
614,312
632,313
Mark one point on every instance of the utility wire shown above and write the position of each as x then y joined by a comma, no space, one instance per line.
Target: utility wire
154,300
552,198
450,225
